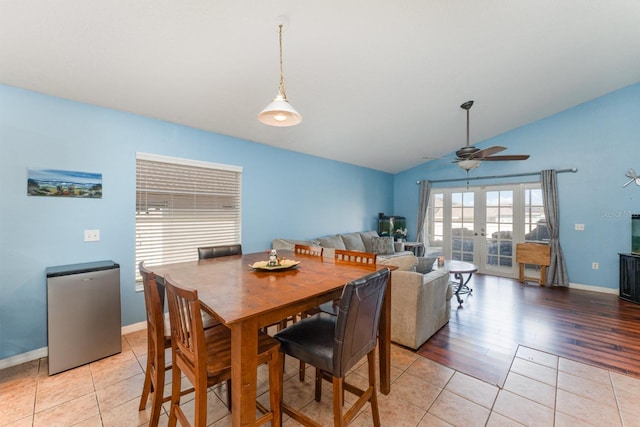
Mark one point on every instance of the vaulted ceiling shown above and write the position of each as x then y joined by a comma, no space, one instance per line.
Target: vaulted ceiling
378,83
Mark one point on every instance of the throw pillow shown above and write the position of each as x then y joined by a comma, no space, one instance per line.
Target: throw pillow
353,242
332,242
367,238
382,245
425,265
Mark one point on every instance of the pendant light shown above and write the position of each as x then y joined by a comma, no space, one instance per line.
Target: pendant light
280,112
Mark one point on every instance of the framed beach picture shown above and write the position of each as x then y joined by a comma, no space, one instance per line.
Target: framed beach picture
63,183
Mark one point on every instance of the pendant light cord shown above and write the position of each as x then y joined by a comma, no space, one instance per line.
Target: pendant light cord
282,89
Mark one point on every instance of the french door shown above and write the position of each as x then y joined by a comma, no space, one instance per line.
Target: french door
481,225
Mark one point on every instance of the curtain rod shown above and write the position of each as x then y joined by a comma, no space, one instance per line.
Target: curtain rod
473,178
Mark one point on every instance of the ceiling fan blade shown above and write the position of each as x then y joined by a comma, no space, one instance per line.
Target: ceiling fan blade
486,152
508,157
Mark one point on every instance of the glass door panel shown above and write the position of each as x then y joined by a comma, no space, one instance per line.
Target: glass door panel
462,225
498,232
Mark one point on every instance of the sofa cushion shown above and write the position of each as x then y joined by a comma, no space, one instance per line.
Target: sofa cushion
382,245
289,244
334,241
353,242
367,239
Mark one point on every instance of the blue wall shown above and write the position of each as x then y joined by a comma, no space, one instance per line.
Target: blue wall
38,131
602,139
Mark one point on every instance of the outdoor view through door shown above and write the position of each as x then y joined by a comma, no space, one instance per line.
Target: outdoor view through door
482,225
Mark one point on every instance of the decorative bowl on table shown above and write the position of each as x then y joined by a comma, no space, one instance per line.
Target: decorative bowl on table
283,264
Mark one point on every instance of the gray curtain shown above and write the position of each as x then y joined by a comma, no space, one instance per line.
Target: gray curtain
557,272
425,193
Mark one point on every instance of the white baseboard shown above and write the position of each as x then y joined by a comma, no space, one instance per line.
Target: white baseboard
24,357
592,288
44,351
134,327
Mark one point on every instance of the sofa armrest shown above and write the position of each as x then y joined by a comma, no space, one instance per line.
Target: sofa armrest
420,306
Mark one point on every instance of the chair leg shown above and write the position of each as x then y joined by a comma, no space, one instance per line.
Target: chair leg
375,412
175,395
158,396
338,390
200,418
275,386
318,391
146,388
301,371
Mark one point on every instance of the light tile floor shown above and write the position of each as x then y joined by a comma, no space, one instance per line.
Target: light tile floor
540,390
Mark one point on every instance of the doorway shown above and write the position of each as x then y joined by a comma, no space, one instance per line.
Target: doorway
482,224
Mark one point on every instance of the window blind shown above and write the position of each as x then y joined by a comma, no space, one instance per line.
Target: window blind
182,205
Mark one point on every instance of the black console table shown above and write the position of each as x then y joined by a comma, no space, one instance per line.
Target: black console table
630,277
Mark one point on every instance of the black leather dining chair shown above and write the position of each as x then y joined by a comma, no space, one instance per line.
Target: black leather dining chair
335,344
207,252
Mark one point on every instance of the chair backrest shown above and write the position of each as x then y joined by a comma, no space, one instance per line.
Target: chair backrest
154,305
219,251
187,331
356,330
357,257
308,250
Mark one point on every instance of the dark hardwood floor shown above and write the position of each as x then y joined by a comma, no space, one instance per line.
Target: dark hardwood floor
482,337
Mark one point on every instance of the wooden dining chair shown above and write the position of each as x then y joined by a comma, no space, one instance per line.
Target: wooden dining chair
204,357
356,257
335,344
308,250
158,340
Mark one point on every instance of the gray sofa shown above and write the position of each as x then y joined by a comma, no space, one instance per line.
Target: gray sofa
366,241
420,302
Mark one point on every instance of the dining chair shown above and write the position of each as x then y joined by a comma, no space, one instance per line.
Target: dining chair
308,250
335,344
348,257
312,251
158,340
204,357
357,257
207,252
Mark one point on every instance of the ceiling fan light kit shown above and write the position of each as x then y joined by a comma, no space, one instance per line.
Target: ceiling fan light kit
279,112
469,164
470,157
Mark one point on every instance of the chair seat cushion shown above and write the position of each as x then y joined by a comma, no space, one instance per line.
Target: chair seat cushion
310,340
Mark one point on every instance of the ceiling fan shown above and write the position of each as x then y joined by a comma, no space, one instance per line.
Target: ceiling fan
469,157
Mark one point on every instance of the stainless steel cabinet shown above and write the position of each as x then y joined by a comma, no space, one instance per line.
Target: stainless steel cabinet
83,313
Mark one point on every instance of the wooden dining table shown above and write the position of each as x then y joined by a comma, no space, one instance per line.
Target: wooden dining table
246,300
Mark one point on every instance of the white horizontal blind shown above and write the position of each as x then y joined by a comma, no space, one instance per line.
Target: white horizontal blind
182,205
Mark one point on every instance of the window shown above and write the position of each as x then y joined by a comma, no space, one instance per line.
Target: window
182,205
535,222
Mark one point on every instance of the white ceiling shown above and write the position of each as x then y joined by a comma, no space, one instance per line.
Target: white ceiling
378,83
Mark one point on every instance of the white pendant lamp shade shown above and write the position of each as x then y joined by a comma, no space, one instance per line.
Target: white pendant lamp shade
280,112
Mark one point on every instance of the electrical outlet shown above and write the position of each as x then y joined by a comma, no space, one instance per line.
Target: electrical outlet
579,227
91,235
595,266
